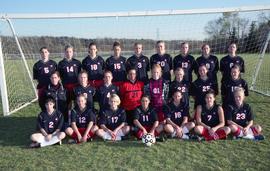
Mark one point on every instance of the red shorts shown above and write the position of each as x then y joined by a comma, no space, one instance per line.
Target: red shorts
160,113
69,88
118,83
41,97
82,130
139,133
96,83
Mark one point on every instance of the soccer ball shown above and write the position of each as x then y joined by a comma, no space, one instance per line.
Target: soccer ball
148,139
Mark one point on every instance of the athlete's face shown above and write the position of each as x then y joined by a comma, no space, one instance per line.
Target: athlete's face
114,103
160,48
83,79
55,79
235,73
179,75
81,101
184,49
117,51
145,102
206,50
239,98
177,96
44,54
202,71
49,106
108,78
93,51
232,48
132,75
69,53
138,49
209,99
156,74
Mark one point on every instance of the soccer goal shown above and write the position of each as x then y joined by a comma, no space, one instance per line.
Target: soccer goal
22,35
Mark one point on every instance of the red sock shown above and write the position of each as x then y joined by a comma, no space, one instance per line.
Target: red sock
221,134
237,133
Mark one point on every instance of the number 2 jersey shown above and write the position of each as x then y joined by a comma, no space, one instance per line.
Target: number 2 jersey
240,115
176,113
210,116
146,118
82,118
112,119
50,123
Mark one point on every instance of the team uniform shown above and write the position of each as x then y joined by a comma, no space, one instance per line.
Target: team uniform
182,86
200,87
118,69
165,61
59,94
69,71
112,119
158,91
50,123
227,62
211,64
103,94
176,113
228,87
131,94
146,119
210,118
95,69
188,63
42,72
142,66
82,120
89,91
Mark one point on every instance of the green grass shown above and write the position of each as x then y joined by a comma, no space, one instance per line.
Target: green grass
133,155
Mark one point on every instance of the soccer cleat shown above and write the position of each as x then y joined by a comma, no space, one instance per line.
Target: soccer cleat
162,137
72,141
258,137
34,145
185,137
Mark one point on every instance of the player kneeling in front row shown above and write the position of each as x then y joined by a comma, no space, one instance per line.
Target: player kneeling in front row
49,125
112,121
82,122
240,118
146,119
210,119
176,114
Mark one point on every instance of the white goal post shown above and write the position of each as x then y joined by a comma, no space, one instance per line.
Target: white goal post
21,36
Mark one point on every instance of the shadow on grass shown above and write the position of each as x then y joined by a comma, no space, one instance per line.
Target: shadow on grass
16,131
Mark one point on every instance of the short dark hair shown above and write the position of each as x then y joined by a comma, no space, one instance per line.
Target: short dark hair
43,47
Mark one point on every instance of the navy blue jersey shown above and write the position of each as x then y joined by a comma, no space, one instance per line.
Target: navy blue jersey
42,72
112,119
210,116
165,61
227,62
94,67
82,118
117,67
228,87
69,70
58,93
141,64
146,118
182,86
103,94
88,91
240,115
176,113
188,63
211,64
200,87
50,123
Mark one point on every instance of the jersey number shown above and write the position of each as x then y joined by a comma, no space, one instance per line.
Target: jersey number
145,118
155,90
94,67
46,70
177,115
50,124
139,65
82,119
114,119
209,117
70,69
184,65
240,116
205,88
117,66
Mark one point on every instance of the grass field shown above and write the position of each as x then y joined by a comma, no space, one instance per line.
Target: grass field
132,155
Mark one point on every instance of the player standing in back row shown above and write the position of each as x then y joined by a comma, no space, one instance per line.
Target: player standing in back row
139,62
227,62
117,65
185,61
42,71
163,59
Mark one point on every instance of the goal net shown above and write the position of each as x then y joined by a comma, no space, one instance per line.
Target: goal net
22,35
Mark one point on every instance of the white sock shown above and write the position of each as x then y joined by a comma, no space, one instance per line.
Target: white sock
249,135
120,133
173,134
118,138
185,130
185,137
241,133
107,136
54,140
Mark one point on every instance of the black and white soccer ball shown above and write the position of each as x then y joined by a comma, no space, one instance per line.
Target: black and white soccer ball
148,139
